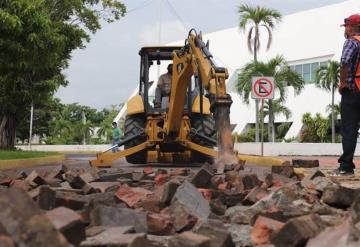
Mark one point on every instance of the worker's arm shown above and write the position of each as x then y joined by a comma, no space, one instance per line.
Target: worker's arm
160,82
350,51
344,70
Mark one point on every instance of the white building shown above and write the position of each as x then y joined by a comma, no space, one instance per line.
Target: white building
306,39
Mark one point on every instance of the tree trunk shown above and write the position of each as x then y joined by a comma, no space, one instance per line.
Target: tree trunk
257,132
332,114
273,132
7,132
271,137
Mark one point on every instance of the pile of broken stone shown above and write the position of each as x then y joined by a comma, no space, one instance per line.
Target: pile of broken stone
157,207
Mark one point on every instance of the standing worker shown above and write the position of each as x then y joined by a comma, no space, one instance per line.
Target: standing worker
116,136
163,87
349,88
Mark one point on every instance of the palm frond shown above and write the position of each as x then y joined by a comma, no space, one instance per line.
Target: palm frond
269,37
276,67
258,16
249,40
328,76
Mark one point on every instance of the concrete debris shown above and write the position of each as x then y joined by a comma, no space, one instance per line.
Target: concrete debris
285,170
114,238
78,182
102,215
169,190
202,178
240,235
183,218
6,241
305,163
46,198
339,196
334,237
263,229
160,224
190,239
34,179
297,231
217,232
158,207
192,200
69,223
25,223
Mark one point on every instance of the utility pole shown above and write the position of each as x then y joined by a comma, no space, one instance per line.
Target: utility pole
31,124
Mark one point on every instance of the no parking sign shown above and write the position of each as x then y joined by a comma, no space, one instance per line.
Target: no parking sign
262,87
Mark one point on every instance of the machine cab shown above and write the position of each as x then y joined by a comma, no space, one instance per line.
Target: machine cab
154,62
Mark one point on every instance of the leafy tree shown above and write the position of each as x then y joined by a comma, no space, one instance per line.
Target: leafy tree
36,41
257,17
277,109
283,76
68,126
315,129
327,77
44,113
334,109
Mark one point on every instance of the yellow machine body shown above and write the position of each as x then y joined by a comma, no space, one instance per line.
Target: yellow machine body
172,135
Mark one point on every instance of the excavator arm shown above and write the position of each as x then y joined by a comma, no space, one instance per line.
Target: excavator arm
196,59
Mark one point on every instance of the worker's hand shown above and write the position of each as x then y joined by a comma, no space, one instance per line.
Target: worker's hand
343,87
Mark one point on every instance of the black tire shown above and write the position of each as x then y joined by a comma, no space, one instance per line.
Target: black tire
207,128
133,124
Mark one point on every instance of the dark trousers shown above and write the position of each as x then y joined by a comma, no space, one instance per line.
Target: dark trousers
350,117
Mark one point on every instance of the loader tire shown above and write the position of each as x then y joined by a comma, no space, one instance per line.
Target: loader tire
207,129
132,126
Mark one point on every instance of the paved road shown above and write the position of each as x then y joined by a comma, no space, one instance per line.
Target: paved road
81,161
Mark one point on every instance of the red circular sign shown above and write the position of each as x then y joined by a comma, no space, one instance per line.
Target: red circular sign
259,88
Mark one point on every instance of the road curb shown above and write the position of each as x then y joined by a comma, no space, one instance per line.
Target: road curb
262,161
30,162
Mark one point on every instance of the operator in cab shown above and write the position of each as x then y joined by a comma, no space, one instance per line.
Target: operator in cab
163,86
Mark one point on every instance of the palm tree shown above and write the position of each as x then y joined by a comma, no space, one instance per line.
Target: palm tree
336,108
283,77
84,131
327,78
277,109
257,17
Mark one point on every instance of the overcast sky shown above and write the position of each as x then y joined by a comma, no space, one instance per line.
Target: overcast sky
107,70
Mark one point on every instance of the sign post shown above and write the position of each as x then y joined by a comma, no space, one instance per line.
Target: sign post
262,88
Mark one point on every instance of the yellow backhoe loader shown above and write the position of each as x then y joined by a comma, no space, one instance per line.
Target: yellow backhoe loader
192,125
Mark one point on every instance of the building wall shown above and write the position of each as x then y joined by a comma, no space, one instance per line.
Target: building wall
302,38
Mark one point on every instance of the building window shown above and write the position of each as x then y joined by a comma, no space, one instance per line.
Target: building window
314,68
306,73
308,70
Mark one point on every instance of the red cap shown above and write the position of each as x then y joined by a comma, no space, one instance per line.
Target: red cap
352,20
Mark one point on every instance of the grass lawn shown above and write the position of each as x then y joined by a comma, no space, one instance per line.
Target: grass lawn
9,155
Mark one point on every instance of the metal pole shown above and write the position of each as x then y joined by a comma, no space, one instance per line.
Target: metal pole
84,123
256,120
262,127
31,124
159,34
